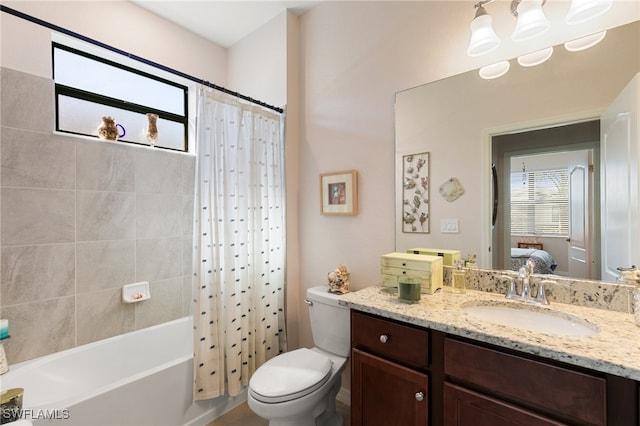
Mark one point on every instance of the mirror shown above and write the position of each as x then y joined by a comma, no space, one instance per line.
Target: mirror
457,121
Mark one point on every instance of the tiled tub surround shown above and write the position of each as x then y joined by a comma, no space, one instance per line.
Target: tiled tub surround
79,218
614,349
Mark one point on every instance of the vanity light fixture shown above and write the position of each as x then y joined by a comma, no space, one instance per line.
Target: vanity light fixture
495,70
584,10
584,42
531,20
483,37
535,58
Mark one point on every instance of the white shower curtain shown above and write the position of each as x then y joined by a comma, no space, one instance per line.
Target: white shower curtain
239,240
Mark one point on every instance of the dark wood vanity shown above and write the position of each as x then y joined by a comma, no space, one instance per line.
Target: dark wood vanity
404,374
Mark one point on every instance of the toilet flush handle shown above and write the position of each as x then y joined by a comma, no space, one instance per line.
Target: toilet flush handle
308,302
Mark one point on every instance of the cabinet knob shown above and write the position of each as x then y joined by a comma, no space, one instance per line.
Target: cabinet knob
419,396
384,338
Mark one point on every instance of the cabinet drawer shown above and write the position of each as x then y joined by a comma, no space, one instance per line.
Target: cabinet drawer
411,261
463,407
401,343
552,389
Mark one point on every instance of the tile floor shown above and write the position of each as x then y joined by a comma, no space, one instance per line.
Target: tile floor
243,416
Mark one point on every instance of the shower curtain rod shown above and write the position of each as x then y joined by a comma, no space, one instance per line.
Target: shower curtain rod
65,31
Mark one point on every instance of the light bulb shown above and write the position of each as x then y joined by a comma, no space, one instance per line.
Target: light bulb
535,58
495,70
531,20
584,10
483,37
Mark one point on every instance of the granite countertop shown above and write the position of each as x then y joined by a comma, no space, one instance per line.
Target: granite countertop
614,349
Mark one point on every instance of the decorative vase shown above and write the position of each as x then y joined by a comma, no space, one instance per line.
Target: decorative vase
109,130
339,280
152,128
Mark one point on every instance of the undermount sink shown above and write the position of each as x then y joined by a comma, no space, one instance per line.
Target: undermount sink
532,318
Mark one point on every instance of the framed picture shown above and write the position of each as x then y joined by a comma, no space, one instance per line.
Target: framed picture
339,193
415,193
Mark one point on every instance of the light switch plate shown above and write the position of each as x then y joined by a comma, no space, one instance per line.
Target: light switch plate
449,226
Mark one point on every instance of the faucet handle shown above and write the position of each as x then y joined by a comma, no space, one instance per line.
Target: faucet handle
541,297
511,292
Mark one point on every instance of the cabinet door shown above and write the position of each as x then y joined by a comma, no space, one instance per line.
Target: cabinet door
463,407
386,394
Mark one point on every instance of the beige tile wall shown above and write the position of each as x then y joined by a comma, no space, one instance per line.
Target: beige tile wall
78,220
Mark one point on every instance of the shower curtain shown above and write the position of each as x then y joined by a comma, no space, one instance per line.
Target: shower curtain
239,243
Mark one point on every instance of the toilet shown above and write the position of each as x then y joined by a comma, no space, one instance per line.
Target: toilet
300,387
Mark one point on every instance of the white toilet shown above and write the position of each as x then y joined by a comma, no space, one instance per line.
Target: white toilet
300,387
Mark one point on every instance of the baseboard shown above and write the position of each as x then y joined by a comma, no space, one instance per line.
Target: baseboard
344,396
218,407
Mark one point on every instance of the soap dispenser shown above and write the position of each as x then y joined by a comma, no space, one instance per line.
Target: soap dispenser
458,278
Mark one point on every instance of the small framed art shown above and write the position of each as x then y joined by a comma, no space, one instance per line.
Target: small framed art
339,193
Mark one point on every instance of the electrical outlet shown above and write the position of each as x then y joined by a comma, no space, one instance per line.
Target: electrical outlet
449,226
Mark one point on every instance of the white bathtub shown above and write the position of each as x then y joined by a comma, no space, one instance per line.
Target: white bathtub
140,378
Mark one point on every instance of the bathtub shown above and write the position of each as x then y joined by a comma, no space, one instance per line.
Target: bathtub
140,378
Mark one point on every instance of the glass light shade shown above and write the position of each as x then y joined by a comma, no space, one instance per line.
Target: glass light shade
584,10
531,21
584,42
483,38
494,71
535,58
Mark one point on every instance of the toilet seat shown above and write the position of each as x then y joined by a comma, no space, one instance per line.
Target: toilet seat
290,376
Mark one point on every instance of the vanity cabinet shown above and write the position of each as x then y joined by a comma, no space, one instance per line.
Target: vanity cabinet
521,387
389,375
407,375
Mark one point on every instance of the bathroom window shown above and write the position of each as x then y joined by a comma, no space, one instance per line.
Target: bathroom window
540,203
88,88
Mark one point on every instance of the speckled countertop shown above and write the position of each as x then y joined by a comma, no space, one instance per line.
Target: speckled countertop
614,349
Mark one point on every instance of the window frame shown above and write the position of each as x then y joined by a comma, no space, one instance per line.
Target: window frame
64,90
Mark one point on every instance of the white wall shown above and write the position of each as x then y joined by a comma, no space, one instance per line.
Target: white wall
120,24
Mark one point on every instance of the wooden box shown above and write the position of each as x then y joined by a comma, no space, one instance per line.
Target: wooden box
449,257
428,269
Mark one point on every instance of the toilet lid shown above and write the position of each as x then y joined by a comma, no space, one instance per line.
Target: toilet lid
290,375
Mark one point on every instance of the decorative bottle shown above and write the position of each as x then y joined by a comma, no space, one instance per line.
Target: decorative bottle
152,128
458,278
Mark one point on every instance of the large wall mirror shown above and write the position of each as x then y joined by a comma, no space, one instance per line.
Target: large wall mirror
539,127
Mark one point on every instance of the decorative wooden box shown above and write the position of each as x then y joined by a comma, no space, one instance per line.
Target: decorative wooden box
428,269
449,257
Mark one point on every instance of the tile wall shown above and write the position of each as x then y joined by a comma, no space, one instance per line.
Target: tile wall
79,218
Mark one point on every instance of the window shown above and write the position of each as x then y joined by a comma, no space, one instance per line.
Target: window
88,87
540,202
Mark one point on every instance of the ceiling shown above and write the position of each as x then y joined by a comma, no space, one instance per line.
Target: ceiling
223,22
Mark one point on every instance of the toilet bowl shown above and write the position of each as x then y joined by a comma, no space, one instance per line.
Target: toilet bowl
300,387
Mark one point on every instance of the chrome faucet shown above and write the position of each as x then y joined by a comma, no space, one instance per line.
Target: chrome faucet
524,276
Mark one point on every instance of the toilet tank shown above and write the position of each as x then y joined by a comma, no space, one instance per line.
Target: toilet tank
329,321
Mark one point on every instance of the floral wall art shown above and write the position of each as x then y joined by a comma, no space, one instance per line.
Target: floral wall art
415,193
